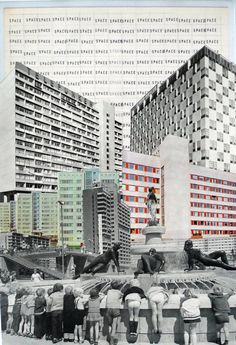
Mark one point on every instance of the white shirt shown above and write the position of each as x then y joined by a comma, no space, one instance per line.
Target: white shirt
36,277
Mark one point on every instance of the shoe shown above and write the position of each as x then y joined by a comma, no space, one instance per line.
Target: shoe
66,340
218,341
55,340
8,331
226,342
81,341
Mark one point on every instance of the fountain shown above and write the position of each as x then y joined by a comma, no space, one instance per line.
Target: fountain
170,266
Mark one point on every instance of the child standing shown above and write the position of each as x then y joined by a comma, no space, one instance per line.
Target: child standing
4,307
79,314
113,304
39,313
48,317
94,317
68,315
11,299
16,311
190,311
221,309
22,325
56,304
29,313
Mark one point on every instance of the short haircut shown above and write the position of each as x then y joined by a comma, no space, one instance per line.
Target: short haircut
57,287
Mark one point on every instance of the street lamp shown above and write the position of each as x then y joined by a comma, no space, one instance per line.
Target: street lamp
61,203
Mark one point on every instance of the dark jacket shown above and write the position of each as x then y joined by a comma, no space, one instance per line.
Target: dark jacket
219,302
134,289
40,305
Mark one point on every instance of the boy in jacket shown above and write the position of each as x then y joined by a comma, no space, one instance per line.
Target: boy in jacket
221,309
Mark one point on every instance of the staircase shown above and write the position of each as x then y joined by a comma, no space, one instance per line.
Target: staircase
31,265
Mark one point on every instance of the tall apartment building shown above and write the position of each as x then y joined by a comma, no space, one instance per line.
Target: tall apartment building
31,214
140,172
195,201
5,219
120,220
24,213
197,102
46,128
110,143
70,191
106,220
45,214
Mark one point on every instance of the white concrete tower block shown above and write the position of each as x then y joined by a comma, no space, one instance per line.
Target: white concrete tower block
176,189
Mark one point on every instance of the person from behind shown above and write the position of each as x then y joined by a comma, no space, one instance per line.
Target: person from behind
68,314
79,314
29,313
4,307
113,305
48,316
221,309
22,326
133,296
94,317
39,313
190,312
16,311
157,296
56,304
11,300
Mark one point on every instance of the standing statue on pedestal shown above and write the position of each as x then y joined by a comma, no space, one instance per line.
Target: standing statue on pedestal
198,259
101,261
152,206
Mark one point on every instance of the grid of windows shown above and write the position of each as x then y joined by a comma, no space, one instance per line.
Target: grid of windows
137,179
217,215
192,103
56,129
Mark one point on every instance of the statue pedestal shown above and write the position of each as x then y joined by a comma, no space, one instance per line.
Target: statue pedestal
153,234
174,256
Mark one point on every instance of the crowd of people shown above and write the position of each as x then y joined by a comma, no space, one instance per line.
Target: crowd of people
61,313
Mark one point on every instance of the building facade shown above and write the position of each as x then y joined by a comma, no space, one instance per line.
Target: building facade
47,129
195,202
110,138
16,240
31,214
70,192
5,220
106,221
140,172
197,102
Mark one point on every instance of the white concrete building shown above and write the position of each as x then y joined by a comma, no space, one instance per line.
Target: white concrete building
110,138
46,128
197,102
